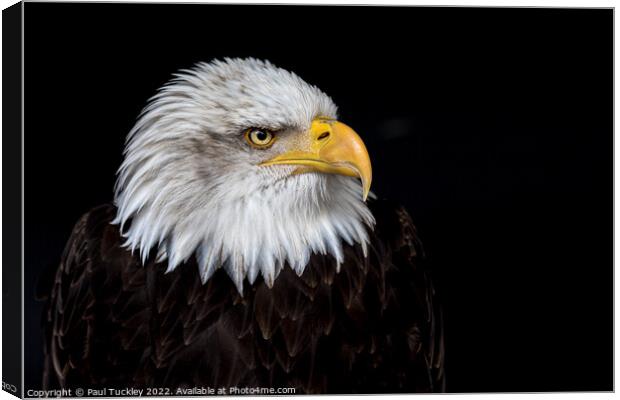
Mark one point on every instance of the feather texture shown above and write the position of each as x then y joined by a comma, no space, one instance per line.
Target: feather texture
375,326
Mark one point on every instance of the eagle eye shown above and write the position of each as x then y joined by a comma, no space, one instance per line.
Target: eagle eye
259,138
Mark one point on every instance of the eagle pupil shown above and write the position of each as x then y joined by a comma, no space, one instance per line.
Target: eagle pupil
261,136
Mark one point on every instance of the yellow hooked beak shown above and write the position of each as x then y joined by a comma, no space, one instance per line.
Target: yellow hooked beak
330,147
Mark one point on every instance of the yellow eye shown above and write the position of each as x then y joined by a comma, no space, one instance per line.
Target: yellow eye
261,138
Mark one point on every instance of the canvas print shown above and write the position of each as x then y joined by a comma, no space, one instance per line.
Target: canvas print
278,200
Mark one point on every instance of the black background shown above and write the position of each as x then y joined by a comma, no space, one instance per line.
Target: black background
493,126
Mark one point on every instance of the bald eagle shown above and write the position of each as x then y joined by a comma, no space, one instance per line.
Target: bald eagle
243,249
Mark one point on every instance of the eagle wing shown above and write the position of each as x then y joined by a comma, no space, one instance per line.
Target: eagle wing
113,322
97,313
410,337
426,338
374,326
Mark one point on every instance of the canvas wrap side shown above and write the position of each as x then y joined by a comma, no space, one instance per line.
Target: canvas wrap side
12,288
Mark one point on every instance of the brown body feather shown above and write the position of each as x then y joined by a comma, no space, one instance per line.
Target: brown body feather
372,327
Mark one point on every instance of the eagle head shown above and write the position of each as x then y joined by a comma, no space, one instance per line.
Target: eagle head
244,166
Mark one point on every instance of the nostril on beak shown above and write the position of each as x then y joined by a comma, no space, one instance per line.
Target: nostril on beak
323,136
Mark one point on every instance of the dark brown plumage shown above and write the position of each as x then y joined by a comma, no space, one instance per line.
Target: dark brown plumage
373,327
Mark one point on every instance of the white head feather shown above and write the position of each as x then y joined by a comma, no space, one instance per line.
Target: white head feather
191,185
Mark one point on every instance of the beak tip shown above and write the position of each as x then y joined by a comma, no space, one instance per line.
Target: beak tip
365,191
